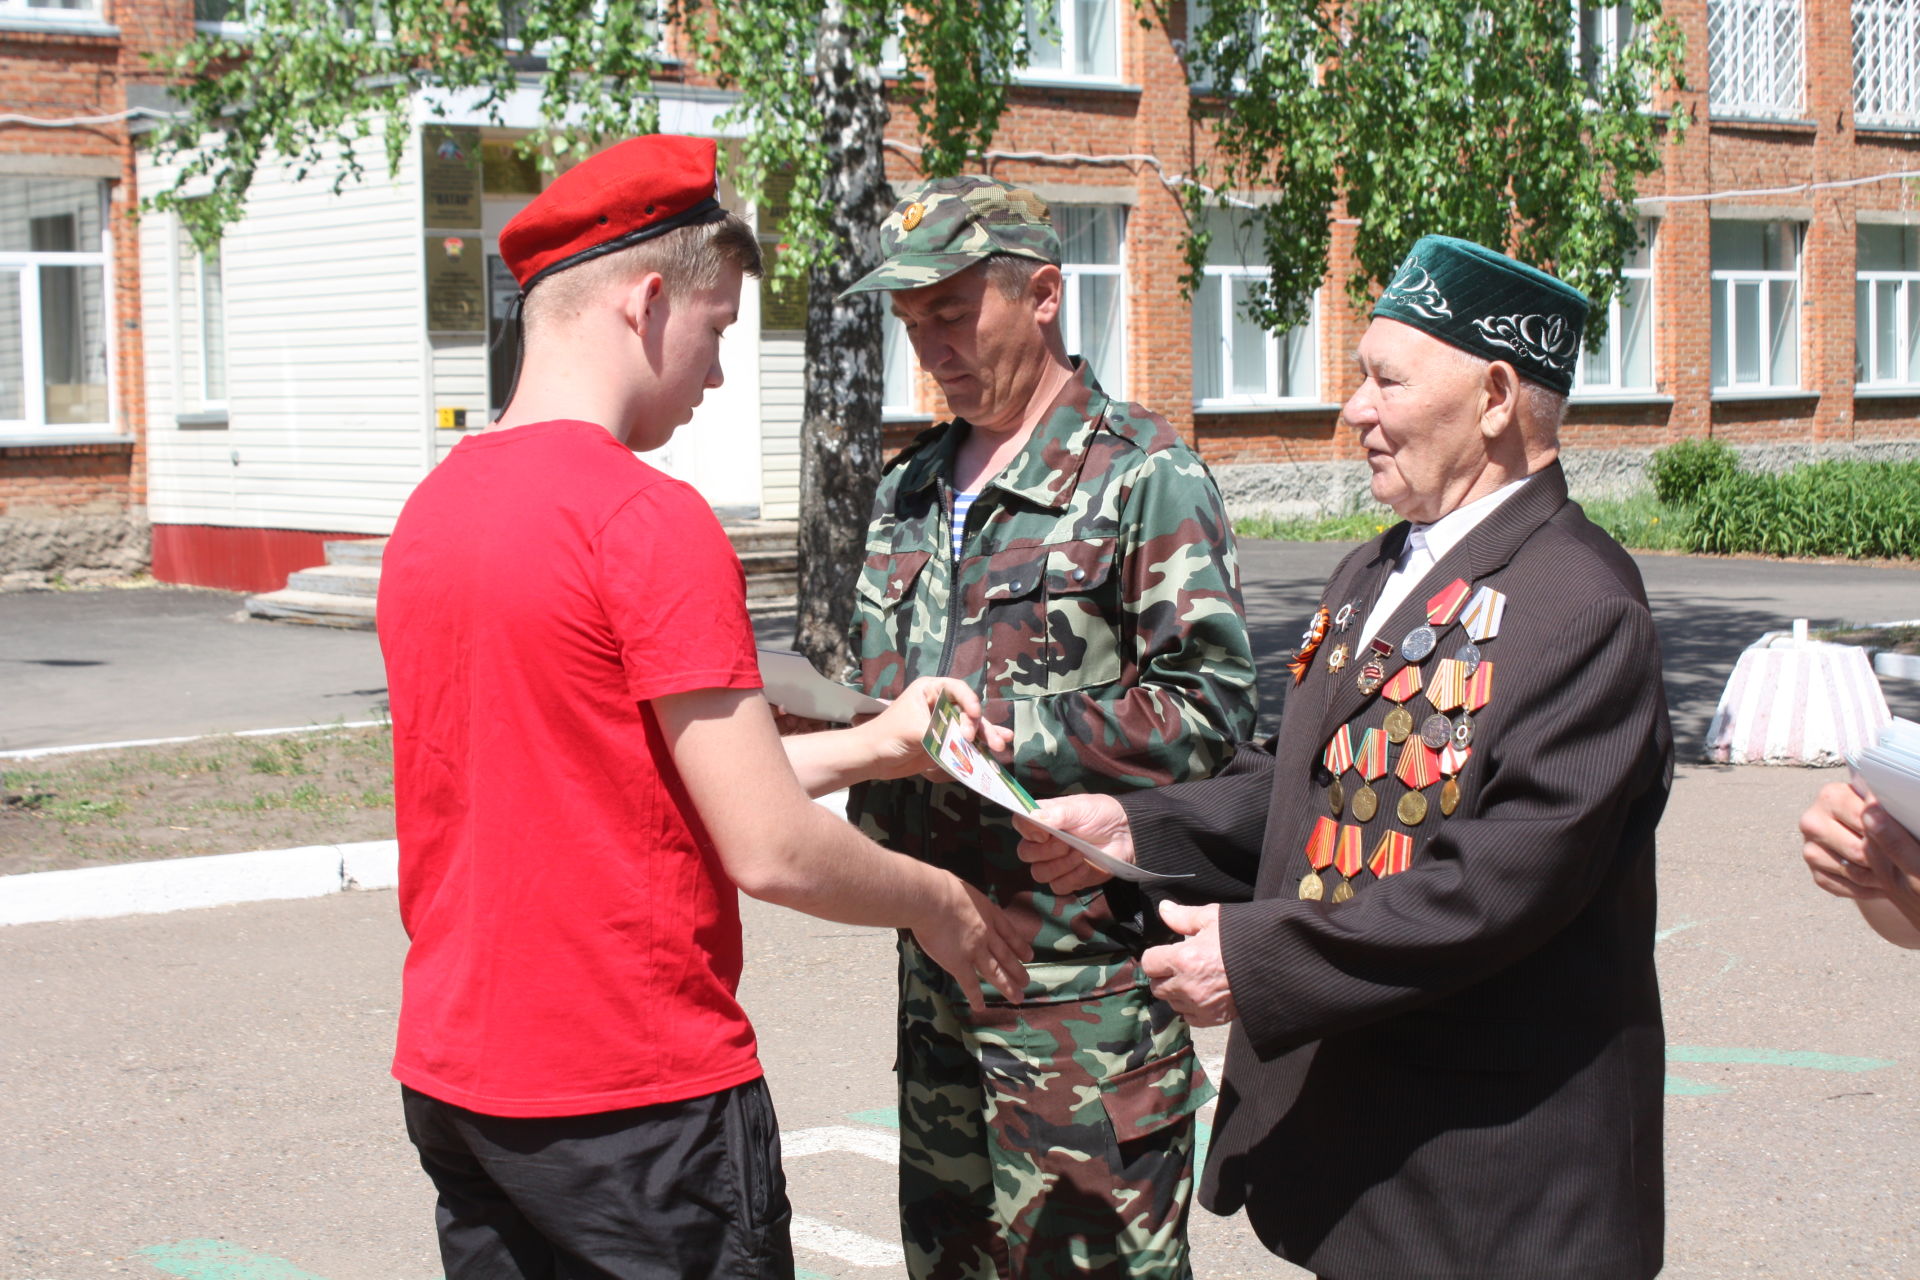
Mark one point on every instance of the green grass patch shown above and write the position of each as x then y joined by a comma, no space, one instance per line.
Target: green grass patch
1356,526
1642,522
1848,510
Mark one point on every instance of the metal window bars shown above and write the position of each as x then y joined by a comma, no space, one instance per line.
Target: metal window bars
1757,57
1886,62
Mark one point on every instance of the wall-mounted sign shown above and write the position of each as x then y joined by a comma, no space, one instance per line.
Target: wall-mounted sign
450,168
456,284
505,172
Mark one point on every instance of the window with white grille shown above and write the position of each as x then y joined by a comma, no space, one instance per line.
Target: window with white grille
1756,53
50,10
1886,62
1235,359
54,306
1756,305
1621,360
896,387
1073,39
1887,306
1092,237
1602,30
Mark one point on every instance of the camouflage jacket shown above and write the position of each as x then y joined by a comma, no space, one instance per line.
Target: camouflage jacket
1096,610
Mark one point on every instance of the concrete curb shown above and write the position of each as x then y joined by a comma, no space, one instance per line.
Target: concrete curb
217,880
176,884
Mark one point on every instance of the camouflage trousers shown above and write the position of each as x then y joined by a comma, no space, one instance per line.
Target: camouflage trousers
1048,1139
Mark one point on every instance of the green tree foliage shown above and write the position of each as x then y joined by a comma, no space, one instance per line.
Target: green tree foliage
1425,116
312,78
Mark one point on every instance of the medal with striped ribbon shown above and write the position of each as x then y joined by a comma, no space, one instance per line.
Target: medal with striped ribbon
1453,758
1481,617
1319,857
1448,688
1444,606
1349,856
1399,721
1371,761
1392,855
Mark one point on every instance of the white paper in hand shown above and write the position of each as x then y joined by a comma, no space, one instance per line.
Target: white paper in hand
1891,770
790,683
974,769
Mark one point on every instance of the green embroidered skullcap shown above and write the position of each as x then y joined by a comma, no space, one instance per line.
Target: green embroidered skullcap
1488,304
948,224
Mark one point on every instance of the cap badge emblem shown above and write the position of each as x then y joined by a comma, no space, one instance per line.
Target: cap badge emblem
911,218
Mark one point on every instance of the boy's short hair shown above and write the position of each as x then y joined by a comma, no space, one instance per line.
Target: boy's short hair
688,258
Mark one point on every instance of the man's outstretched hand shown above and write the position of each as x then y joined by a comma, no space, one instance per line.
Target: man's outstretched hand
1058,865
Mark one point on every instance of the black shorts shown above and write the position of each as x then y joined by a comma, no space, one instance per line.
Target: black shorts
689,1189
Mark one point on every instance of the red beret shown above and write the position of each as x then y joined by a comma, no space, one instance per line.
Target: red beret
628,193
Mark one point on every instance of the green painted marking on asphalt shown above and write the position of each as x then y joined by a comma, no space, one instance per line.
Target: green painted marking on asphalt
218,1260
801,1273
1682,927
1774,1058
886,1116
1681,1087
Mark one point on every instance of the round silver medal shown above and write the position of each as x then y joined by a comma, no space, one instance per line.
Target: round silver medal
1468,656
1463,732
1436,731
1418,644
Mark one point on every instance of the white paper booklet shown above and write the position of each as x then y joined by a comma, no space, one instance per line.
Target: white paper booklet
1891,770
974,769
793,685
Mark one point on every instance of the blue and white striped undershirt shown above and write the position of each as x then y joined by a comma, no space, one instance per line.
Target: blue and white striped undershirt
961,503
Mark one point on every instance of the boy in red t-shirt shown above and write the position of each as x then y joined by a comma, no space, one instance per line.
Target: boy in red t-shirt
584,772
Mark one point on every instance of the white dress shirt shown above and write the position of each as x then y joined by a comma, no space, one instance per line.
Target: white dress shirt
1426,545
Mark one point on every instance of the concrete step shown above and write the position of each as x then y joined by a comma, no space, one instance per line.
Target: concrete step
337,580
316,608
761,535
766,586
779,560
363,551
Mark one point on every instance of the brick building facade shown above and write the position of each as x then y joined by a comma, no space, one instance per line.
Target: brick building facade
1777,306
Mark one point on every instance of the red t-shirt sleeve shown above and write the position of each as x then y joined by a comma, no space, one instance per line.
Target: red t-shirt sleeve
675,595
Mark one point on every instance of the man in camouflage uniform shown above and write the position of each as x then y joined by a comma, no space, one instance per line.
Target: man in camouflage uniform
1090,595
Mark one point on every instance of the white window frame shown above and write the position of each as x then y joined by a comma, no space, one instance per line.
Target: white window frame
895,343
193,407
1616,329
1757,57
1886,86
1068,14
1072,273
1308,333
1725,286
20,12
25,265
1613,43
1907,318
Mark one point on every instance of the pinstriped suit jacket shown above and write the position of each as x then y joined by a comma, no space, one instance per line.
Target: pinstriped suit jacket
1457,1075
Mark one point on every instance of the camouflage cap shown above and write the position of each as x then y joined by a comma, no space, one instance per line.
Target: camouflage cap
949,224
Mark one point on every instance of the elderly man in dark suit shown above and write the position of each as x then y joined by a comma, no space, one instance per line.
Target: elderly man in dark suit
1429,900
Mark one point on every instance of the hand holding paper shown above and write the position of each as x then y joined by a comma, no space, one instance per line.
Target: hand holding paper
946,741
1096,819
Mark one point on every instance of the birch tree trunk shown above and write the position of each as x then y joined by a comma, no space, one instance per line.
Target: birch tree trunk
840,429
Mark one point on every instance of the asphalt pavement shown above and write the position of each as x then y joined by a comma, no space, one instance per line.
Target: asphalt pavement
204,1094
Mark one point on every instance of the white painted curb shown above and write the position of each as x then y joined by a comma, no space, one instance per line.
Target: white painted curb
218,880
176,884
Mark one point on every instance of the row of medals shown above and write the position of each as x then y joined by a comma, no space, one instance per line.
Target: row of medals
1438,731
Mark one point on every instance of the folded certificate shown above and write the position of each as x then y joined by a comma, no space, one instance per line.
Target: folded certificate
974,769
791,683
1891,770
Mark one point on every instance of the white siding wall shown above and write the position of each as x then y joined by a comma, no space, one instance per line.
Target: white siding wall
459,382
327,385
782,398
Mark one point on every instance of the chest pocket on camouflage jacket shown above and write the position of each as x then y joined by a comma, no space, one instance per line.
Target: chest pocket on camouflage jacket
886,586
1052,617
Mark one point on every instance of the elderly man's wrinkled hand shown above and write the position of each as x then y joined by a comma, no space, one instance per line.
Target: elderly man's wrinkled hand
1192,975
